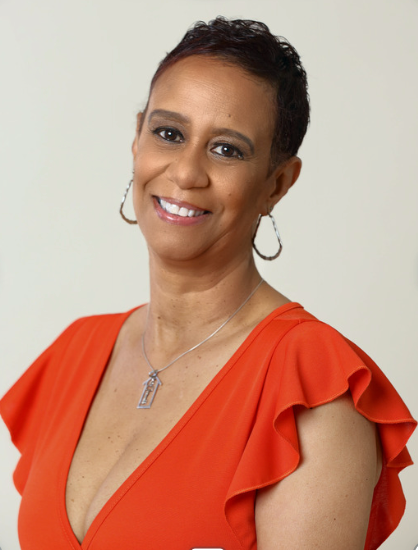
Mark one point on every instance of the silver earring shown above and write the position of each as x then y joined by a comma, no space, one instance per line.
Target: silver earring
273,221
123,202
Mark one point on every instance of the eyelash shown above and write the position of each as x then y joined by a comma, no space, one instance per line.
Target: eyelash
238,154
161,130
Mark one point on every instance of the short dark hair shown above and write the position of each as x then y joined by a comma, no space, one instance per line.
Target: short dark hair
251,46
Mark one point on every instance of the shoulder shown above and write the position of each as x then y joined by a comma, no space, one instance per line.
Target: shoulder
82,343
82,336
293,325
87,327
100,320
306,348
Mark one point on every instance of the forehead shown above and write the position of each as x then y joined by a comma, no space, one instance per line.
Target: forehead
209,88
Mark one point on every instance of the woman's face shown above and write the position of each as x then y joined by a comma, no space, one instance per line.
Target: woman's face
202,159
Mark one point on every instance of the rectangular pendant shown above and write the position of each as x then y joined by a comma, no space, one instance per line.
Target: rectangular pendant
151,386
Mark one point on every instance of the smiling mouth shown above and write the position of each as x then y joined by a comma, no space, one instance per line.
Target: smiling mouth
181,211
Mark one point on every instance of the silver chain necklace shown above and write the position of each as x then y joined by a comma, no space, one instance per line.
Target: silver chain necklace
153,382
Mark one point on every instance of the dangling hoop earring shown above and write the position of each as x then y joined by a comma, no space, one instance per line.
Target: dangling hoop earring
273,221
123,202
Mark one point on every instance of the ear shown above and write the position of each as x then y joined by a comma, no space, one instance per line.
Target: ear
284,176
139,122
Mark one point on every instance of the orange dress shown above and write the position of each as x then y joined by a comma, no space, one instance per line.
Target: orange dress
197,488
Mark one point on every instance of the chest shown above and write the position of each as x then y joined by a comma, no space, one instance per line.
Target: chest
117,437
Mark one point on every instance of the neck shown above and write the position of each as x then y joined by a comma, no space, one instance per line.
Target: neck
191,303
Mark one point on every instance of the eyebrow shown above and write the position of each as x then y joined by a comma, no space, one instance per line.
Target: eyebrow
185,120
171,114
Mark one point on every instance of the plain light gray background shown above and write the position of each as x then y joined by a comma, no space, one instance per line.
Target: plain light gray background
73,75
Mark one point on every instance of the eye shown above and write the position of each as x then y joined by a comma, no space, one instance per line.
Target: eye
227,150
168,134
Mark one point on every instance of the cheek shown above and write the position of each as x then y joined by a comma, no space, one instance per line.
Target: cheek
240,188
147,165
251,195
244,207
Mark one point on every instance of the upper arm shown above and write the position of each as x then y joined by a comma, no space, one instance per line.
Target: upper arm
325,503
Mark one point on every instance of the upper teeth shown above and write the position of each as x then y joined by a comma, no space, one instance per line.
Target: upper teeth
179,211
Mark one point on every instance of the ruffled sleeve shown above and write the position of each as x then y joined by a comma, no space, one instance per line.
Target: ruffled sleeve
25,406
312,365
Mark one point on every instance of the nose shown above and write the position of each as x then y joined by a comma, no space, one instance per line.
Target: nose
188,169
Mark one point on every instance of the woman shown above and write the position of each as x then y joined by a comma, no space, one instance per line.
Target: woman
221,414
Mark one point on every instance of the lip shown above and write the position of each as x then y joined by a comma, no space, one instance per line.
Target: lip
179,220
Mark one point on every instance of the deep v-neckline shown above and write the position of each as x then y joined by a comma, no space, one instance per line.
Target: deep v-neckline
74,438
